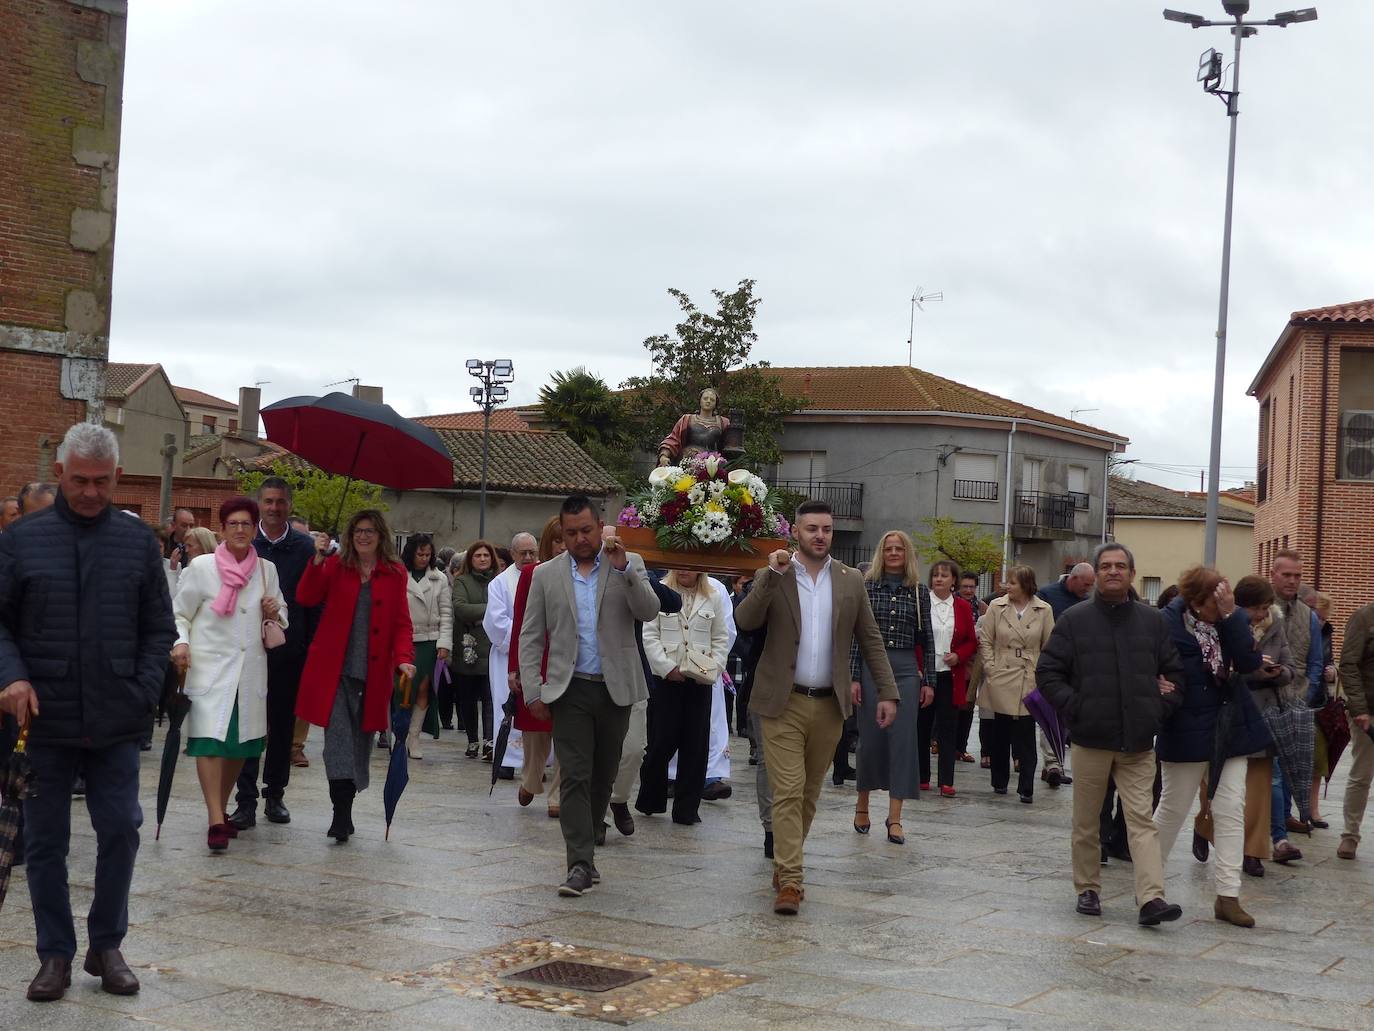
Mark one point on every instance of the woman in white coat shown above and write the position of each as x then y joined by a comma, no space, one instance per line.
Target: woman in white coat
431,618
221,603
686,652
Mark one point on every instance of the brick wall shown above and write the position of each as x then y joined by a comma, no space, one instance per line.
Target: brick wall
61,88
203,496
1342,562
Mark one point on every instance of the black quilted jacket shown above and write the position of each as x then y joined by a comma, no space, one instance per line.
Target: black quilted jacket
86,618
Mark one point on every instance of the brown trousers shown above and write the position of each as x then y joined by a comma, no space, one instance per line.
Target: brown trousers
1134,774
1258,844
798,747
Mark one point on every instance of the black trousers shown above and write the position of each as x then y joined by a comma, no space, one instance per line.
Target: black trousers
446,697
588,734
283,683
941,720
965,728
1008,737
474,690
679,720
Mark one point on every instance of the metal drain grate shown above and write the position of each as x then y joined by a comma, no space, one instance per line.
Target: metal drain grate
580,977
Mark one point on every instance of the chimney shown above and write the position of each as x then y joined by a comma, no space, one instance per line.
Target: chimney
250,400
363,393
806,385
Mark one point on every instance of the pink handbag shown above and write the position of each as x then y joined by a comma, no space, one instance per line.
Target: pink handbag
273,636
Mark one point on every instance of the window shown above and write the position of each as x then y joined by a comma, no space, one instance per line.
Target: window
1355,446
1152,587
1292,418
1031,471
207,423
1262,484
802,466
975,477
1078,486
233,425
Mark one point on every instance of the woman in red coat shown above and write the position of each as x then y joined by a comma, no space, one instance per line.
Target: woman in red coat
536,735
956,643
363,639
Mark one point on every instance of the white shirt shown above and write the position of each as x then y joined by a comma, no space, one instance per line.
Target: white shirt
815,651
942,626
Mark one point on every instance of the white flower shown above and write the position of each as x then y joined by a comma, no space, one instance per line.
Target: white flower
696,494
712,464
716,488
757,488
664,474
712,528
738,476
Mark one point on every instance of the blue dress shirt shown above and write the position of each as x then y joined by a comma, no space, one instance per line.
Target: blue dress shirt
584,595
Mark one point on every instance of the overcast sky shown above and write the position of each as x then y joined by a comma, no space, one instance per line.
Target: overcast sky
312,191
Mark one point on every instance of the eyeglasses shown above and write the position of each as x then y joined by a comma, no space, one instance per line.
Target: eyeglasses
361,532
238,525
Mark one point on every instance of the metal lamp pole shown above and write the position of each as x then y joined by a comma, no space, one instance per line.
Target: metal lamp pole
1209,74
492,375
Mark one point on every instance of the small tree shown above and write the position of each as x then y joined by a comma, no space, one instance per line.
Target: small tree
974,549
315,494
580,404
710,350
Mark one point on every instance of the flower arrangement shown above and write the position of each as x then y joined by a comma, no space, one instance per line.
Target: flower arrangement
703,503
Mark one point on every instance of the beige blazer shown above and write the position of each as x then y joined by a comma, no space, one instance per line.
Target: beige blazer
1009,648
773,601
622,598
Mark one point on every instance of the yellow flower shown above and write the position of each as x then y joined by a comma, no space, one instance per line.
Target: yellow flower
685,484
714,506
746,498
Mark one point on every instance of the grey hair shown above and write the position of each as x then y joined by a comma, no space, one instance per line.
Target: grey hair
87,440
1083,569
1107,546
515,541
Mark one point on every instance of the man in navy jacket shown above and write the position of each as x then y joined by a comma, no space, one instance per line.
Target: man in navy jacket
85,631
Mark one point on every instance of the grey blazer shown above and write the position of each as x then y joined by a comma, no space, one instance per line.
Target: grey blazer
622,598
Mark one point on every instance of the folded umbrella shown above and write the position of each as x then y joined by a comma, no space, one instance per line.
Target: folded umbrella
1333,725
1293,728
1047,719
398,768
177,706
502,740
16,784
361,440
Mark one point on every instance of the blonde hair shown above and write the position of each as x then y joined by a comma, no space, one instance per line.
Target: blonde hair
204,538
670,581
911,575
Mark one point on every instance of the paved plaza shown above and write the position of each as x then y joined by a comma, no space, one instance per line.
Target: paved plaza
970,925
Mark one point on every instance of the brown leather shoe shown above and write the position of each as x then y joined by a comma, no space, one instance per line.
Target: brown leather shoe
115,975
789,899
1346,849
1286,852
553,812
624,822
1228,909
298,758
53,980
523,797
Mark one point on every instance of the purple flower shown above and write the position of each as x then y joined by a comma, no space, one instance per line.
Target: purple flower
784,527
629,516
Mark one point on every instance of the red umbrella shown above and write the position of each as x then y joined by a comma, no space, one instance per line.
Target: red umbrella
361,440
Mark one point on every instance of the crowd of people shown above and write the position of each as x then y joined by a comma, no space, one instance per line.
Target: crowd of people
616,675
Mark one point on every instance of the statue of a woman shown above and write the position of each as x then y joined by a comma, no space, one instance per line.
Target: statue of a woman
693,434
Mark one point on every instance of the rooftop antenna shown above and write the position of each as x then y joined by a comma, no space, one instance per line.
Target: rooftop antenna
261,383
918,302
340,382
1074,413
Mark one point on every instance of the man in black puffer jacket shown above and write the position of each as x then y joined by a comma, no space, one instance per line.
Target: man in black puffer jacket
1111,669
85,631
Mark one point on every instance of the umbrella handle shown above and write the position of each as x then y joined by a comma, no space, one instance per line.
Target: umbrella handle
22,745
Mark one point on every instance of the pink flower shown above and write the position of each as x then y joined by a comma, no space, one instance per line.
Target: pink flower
629,516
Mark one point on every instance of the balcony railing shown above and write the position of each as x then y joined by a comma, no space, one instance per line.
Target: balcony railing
1080,499
852,554
846,500
1039,508
975,490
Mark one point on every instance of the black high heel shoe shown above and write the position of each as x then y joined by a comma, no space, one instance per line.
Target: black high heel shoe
896,839
866,826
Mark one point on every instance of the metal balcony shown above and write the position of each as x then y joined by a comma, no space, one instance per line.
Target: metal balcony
846,500
975,490
1040,516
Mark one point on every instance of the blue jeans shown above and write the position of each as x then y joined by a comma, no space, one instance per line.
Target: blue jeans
112,801
1281,801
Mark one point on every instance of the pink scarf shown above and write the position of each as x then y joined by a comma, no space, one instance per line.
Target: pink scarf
233,576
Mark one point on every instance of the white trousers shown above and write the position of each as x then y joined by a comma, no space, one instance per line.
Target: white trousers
631,753
1179,791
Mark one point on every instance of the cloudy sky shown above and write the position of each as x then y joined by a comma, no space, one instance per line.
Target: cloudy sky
312,191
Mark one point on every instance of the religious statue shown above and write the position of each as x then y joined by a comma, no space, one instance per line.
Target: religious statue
705,431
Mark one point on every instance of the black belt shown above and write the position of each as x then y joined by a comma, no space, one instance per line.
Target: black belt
595,678
813,692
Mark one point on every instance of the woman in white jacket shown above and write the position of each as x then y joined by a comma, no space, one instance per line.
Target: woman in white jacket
221,603
686,652
431,617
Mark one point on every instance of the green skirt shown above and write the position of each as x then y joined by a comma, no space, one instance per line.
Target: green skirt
231,747
426,655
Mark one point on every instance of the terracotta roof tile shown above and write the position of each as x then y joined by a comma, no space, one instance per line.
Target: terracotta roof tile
122,377
501,419
200,444
899,388
1139,498
527,461
192,396
1351,311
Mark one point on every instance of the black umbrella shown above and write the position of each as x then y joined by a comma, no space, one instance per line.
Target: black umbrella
1293,730
16,784
359,439
178,705
398,767
498,751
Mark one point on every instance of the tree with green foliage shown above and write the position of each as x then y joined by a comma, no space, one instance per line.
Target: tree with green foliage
580,404
974,549
315,494
710,350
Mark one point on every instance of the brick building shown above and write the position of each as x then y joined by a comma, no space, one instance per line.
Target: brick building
61,87
1315,489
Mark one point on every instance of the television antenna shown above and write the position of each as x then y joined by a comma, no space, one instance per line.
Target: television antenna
340,382
918,302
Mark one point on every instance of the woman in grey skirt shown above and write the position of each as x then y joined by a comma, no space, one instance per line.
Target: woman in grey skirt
888,758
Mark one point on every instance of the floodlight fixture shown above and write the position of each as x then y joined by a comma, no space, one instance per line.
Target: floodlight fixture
476,394
503,368
1195,20
1209,70
1236,8
475,366
1286,18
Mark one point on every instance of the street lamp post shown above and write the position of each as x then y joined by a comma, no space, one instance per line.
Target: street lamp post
1210,74
492,376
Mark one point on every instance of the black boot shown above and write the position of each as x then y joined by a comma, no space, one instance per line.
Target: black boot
341,794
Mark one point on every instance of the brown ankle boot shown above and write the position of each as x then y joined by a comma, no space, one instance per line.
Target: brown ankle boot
1228,909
